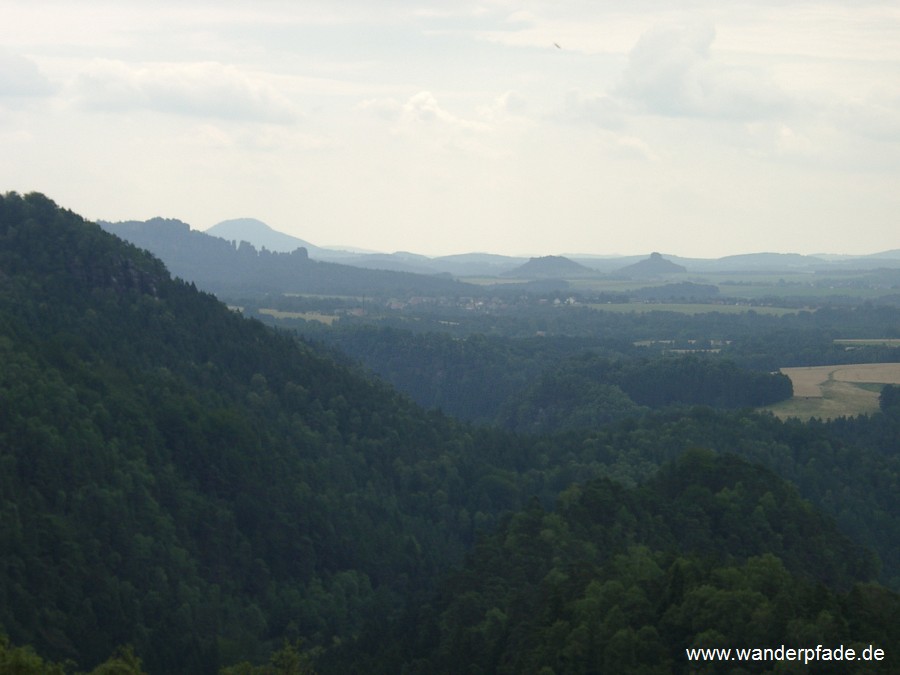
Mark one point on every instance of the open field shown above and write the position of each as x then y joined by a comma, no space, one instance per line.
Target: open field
308,316
873,342
836,391
809,292
690,308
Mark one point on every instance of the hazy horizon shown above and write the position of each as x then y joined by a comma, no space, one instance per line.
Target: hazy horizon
700,130
568,254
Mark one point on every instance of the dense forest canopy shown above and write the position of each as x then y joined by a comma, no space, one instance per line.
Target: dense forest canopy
549,384
619,580
187,490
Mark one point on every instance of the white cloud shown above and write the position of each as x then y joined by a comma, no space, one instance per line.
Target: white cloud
469,113
599,110
877,119
421,110
20,77
589,29
207,89
673,72
509,103
632,147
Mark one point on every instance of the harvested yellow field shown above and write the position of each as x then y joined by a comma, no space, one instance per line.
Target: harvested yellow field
809,381
881,373
884,342
835,391
308,316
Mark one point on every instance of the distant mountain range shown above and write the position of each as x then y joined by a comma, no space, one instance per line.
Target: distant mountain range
238,268
261,235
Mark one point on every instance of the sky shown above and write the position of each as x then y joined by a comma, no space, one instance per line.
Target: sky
537,127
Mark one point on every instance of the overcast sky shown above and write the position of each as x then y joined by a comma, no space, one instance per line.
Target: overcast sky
701,128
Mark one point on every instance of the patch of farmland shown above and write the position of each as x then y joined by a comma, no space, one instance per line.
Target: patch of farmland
836,391
307,316
849,343
689,308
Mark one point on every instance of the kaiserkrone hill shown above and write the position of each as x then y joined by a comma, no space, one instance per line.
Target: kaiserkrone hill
654,266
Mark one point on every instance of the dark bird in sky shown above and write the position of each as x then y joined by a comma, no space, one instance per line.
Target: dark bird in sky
556,44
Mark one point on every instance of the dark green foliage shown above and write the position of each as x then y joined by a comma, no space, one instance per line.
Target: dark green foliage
694,380
178,478
889,400
471,378
546,384
587,391
712,552
568,400
850,469
289,660
24,661
686,291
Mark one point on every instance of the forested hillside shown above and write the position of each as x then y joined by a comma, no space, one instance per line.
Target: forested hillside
184,480
549,384
623,581
222,266
196,485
